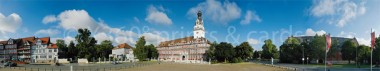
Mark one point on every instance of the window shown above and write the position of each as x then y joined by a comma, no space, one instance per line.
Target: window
55,50
50,56
49,50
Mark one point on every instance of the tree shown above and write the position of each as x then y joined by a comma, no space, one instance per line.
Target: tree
224,52
291,51
72,50
244,51
256,54
318,48
269,50
363,53
104,49
86,44
211,51
348,51
152,51
62,47
140,51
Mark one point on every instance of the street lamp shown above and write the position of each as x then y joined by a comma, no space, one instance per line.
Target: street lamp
303,54
307,60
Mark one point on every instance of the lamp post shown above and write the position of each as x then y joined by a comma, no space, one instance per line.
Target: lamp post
307,60
303,54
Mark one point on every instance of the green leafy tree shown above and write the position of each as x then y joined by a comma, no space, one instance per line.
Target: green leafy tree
348,51
291,51
210,53
376,51
72,50
256,54
364,53
86,44
317,49
63,50
104,49
269,50
140,51
244,51
152,51
224,52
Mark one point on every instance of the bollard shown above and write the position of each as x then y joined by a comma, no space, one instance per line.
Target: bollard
52,69
45,69
104,69
60,69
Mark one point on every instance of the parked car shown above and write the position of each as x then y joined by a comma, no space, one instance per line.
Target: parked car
10,64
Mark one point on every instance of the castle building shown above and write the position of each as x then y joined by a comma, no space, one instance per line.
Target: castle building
188,49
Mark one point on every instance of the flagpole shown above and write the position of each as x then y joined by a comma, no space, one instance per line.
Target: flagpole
325,61
371,57
371,49
326,49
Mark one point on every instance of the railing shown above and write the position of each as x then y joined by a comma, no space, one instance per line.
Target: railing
78,68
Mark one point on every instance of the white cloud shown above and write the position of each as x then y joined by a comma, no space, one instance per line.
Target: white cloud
10,23
253,41
120,40
346,34
102,37
49,19
363,41
49,32
338,11
311,32
75,19
153,38
250,16
157,16
216,11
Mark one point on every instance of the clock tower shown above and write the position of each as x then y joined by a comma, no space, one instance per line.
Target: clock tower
199,30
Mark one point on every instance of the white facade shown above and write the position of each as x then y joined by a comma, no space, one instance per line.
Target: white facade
119,53
42,54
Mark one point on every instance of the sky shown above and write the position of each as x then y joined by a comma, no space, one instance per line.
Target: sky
235,21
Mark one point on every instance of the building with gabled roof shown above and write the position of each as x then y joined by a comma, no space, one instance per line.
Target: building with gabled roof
123,52
44,51
27,49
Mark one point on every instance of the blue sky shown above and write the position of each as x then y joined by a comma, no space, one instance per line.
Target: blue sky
225,21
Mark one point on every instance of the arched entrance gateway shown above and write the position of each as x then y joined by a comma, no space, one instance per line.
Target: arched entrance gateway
183,57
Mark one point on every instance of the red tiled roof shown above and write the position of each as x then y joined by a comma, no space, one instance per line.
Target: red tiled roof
180,40
52,46
29,39
3,42
45,40
124,45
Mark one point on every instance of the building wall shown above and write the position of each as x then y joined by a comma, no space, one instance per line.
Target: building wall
42,54
2,52
193,51
123,52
